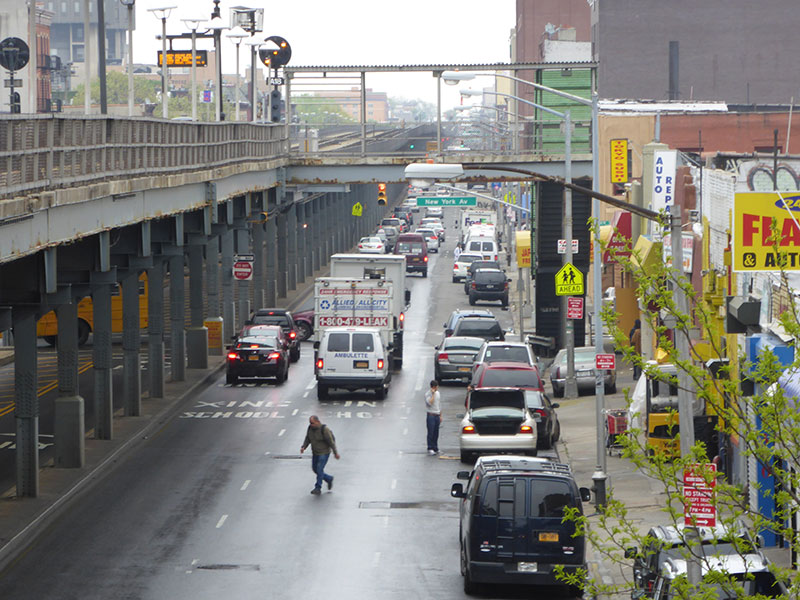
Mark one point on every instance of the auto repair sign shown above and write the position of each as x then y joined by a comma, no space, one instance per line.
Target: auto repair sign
756,217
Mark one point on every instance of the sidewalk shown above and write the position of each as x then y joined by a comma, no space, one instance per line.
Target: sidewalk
23,519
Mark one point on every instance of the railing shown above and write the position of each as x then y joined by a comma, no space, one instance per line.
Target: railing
45,152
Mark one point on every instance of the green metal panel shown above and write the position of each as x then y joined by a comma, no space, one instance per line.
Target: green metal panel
549,134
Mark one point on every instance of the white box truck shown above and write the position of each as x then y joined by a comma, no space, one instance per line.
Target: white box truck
391,268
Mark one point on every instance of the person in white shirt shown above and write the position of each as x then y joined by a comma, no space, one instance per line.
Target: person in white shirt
434,417
457,252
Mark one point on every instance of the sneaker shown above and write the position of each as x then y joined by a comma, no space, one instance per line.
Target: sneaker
316,491
431,452
330,482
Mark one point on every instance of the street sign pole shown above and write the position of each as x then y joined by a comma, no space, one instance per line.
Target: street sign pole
570,383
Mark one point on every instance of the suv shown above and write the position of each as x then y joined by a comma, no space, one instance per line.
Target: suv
511,522
460,313
474,266
489,284
487,328
497,420
282,317
400,224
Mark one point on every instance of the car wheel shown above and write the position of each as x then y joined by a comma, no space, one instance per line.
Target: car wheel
437,374
611,389
294,355
425,273
545,442
380,393
467,457
231,379
557,433
322,392
304,330
455,279
470,587
471,300
83,332
282,376
504,302
558,392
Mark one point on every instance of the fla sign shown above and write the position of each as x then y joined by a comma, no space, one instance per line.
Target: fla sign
755,215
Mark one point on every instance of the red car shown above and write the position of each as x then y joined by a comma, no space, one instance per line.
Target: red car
304,324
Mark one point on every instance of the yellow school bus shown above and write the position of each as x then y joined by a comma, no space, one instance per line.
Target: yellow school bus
47,327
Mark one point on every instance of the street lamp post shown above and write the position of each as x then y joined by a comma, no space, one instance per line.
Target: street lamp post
217,26
163,13
254,44
130,4
237,34
193,25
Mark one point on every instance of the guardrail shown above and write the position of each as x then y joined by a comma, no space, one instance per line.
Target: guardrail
44,152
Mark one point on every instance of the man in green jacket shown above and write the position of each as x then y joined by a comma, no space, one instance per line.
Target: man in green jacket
322,442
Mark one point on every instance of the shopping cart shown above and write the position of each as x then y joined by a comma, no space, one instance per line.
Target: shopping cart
616,426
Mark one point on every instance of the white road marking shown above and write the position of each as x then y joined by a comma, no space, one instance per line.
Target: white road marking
376,559
244,485
295,411
394,483
405,431
420,377
266,453
386,521
221,521
281,432
305,396
311,384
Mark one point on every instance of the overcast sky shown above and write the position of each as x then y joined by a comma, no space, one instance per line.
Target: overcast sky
360,32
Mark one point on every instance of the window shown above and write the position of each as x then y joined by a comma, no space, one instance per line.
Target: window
63,7
77,53
489,498
488,246
512,354
549,498
77,32
363,342
339,342
511,378
77,8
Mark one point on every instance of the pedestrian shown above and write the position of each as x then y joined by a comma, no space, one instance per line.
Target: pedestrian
635,338
434,417
457,251
322,442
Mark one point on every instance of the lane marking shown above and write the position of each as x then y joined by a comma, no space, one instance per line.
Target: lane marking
376,559
281,432
311,384
305,395
266,453
221,521
294,412
394,483
244,485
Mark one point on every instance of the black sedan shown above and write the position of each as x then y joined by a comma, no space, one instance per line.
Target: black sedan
549,428
256,358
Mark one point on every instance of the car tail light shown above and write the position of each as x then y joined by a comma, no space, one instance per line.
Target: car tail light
233,356
495,256
505,286
443,356
274,355
468,429
541,412
526,429
292,335
320,363
455,266
380,364
425,259
402,319
360,246
474,286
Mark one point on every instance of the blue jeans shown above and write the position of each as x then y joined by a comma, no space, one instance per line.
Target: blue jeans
318,462
432,421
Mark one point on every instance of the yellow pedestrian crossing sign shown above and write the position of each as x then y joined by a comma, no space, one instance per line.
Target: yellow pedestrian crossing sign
569,281
357,209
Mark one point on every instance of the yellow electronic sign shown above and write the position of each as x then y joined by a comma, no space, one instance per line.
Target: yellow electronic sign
619,161
183,58
755,215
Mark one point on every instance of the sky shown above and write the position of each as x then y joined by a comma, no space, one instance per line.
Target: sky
360,32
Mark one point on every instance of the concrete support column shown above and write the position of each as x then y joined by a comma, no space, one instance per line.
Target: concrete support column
155,328
316,239
325,230
197,334
101,356
271,274
243,247
301,242
177,299
283,264
27,402
69,427
212,278
131,344
308,237
291,249
228,305
339,223
259,268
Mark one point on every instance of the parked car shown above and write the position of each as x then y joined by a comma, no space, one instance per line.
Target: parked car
454,356
282,317
254,357
304,324
549,428
511,522
489,284
474,266
584,372
487,328
461,265
508,374
371,245
416,252
497,420
391,236
460,313
430,238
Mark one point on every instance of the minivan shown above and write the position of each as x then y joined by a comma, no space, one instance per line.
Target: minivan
512,527
351,358
415,248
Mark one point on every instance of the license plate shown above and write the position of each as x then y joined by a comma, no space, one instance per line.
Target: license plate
465,369
589,373
489,287
361,364
528,567
253,357
548,536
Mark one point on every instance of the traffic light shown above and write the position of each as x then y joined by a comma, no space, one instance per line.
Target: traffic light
16,107
275,106
382,194
276,57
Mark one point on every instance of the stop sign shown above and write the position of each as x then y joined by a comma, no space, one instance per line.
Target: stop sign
243,270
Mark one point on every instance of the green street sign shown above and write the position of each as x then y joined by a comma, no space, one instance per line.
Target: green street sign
448,201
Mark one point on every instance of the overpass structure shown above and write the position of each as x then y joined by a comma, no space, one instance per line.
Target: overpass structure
89,203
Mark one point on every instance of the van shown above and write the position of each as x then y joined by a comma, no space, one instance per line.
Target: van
415,248
351,358
485,246
511,522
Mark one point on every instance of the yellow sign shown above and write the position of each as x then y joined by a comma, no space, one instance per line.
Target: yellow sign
619,161
754,217
523,249
569,281
183,58
357,209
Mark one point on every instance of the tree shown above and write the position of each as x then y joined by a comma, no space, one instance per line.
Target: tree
117,90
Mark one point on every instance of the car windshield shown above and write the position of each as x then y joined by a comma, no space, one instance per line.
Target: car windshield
409,248
257,342
478,328
281,320
511,378
507,354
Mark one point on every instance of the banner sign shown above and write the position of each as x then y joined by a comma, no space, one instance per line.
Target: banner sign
755,215
663,192
619,161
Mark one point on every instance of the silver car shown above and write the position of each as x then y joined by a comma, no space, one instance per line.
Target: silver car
454,356
497,420
505,352
584,372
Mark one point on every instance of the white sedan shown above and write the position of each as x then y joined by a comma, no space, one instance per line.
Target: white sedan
431,238
371,245
462,264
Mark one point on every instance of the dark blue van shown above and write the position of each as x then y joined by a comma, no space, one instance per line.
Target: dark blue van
511,522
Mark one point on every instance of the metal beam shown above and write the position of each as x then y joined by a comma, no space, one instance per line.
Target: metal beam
292,70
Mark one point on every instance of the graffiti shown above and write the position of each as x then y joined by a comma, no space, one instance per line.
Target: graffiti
757,176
